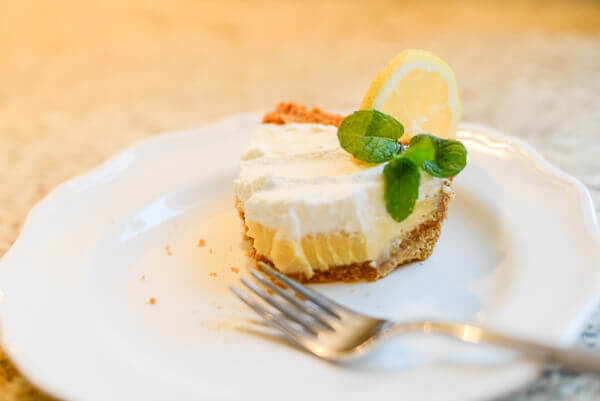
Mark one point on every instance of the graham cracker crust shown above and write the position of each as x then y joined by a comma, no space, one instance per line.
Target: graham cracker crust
417,246
289,112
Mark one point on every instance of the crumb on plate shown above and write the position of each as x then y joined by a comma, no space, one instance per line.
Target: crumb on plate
152,301
201,243
279,284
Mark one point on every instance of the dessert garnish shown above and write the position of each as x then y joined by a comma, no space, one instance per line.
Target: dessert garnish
374,137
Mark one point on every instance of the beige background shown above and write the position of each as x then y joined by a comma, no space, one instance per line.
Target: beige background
80,80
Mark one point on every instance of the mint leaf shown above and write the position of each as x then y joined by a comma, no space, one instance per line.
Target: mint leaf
422,148
439,157
370,136
373,149
401,187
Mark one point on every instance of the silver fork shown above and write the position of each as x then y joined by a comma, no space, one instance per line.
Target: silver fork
333,332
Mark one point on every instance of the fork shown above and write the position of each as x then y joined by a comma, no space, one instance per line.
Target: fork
333,332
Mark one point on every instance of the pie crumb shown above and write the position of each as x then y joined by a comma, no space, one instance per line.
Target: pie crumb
143,277
212,274
152,301
201,243
168,249
235,269
279,284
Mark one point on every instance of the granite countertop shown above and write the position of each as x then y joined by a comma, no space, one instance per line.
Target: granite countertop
80,80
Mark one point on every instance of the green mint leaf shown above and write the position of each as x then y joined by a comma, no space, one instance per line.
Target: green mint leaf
370,136
439,157
401,187
373,149
422,148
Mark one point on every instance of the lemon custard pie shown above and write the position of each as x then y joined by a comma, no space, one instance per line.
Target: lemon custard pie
327,198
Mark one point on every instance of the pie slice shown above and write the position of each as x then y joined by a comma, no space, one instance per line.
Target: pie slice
316,214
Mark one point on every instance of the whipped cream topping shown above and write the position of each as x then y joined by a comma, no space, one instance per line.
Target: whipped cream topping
298,181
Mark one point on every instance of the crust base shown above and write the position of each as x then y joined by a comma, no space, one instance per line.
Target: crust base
286,113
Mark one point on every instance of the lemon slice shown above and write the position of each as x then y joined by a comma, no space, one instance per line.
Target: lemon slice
419,90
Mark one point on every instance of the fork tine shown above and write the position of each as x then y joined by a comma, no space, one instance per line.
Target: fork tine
270,318
328,305
303,306
292,314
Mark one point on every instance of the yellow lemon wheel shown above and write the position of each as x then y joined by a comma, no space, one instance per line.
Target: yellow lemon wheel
419,90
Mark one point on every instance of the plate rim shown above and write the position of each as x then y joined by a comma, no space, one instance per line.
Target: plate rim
27,367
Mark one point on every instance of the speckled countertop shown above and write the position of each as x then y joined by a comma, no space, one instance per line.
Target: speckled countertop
81,80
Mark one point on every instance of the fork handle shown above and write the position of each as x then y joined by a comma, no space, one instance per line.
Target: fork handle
580,361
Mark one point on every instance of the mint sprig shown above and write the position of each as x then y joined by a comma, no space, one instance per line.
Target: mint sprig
370,136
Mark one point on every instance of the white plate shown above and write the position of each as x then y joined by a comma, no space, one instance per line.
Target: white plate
519,251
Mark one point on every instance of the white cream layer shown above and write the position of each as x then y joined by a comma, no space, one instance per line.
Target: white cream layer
297,180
